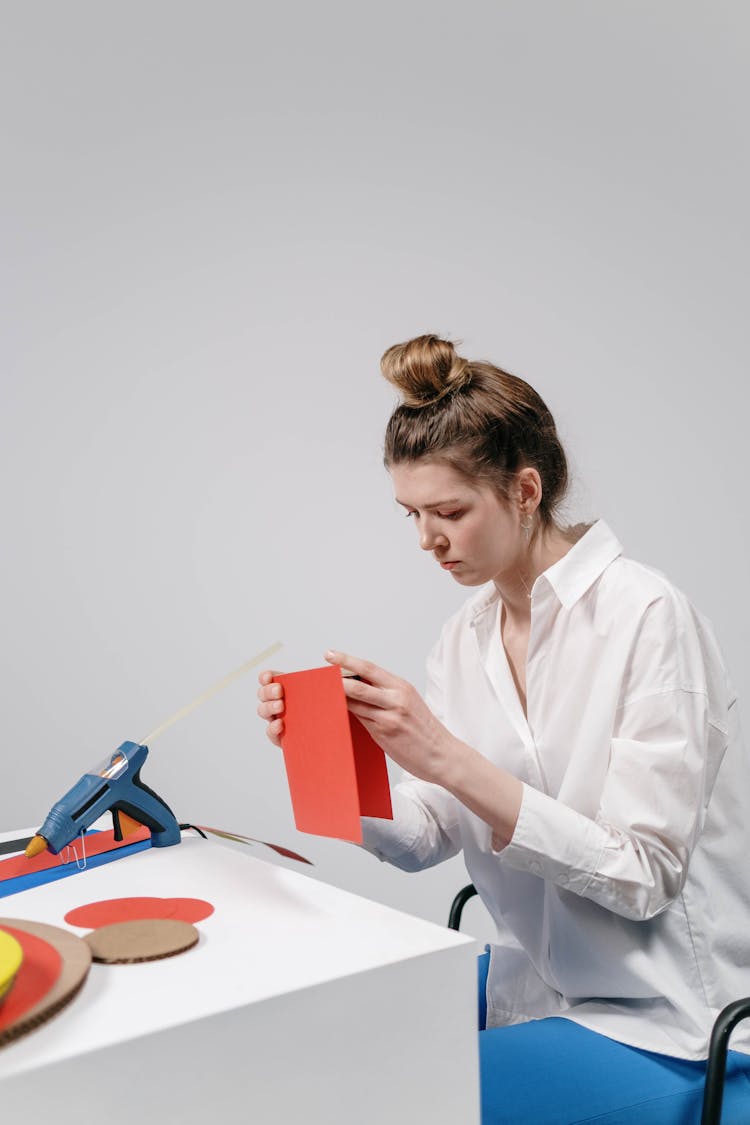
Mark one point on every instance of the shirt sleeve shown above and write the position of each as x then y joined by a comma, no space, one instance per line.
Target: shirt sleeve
424,830
667,744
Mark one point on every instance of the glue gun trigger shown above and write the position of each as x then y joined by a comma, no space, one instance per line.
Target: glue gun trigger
124,825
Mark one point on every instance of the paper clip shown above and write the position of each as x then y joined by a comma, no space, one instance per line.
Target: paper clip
80,863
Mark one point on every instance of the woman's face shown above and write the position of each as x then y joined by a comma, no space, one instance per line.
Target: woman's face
470,531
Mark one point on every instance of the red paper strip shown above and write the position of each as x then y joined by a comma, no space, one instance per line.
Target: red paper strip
336,771
40,968
96,843
238,838
110,911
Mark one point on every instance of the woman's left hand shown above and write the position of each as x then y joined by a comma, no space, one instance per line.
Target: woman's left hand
398,719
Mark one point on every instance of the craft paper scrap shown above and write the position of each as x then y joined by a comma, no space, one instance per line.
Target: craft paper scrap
94,915
95,844
336,771
238,838
11,847
18,873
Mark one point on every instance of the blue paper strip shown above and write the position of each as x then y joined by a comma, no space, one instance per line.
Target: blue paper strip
52,874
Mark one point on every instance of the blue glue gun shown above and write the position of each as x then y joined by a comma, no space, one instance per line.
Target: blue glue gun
112,786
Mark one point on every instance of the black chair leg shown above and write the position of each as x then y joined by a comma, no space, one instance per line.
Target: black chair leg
713,1091
458,904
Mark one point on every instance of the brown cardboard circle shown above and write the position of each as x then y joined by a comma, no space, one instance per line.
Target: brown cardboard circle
41,966
76,962
145,939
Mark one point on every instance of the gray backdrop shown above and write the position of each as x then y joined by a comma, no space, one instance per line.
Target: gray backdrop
215,217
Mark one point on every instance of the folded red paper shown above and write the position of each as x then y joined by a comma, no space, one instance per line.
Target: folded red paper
336,771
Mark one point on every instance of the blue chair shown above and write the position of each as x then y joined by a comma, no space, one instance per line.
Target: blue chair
726,1021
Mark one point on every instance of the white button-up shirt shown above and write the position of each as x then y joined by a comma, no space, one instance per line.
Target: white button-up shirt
623,899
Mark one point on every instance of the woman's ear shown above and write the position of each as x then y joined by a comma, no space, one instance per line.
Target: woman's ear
529,489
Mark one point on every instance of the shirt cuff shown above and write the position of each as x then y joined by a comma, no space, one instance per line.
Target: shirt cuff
391,840
555,842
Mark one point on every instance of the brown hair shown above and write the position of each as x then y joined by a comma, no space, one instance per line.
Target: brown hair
482,421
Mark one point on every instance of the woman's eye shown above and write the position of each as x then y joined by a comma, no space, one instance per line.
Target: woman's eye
440,515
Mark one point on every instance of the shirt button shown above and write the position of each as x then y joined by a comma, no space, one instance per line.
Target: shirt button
535,867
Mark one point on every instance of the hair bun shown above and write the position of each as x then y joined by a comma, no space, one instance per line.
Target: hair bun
424,370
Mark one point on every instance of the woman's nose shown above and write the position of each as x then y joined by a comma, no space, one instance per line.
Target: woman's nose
430,538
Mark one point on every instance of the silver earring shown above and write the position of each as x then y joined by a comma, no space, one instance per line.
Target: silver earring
526,526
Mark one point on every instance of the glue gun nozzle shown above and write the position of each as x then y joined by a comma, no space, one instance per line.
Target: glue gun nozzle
35,847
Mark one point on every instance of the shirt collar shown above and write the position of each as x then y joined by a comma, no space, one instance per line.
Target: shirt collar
572,575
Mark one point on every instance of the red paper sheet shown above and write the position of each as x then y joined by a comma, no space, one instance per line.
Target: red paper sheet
336,771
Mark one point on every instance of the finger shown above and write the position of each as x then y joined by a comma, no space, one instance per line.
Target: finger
266,676
361,692
270,691
371,716
364,668
274,732
271,710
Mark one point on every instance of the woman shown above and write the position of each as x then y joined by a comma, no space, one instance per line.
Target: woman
578,741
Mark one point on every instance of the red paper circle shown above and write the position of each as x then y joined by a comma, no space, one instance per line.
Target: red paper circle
111,910
40,968
190,909
96,914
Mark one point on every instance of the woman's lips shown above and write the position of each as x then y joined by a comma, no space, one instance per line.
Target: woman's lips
449,564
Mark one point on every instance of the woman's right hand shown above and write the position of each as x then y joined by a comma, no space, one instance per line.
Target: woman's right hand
271,706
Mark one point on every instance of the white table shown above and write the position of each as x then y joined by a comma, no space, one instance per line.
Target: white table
301,1002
